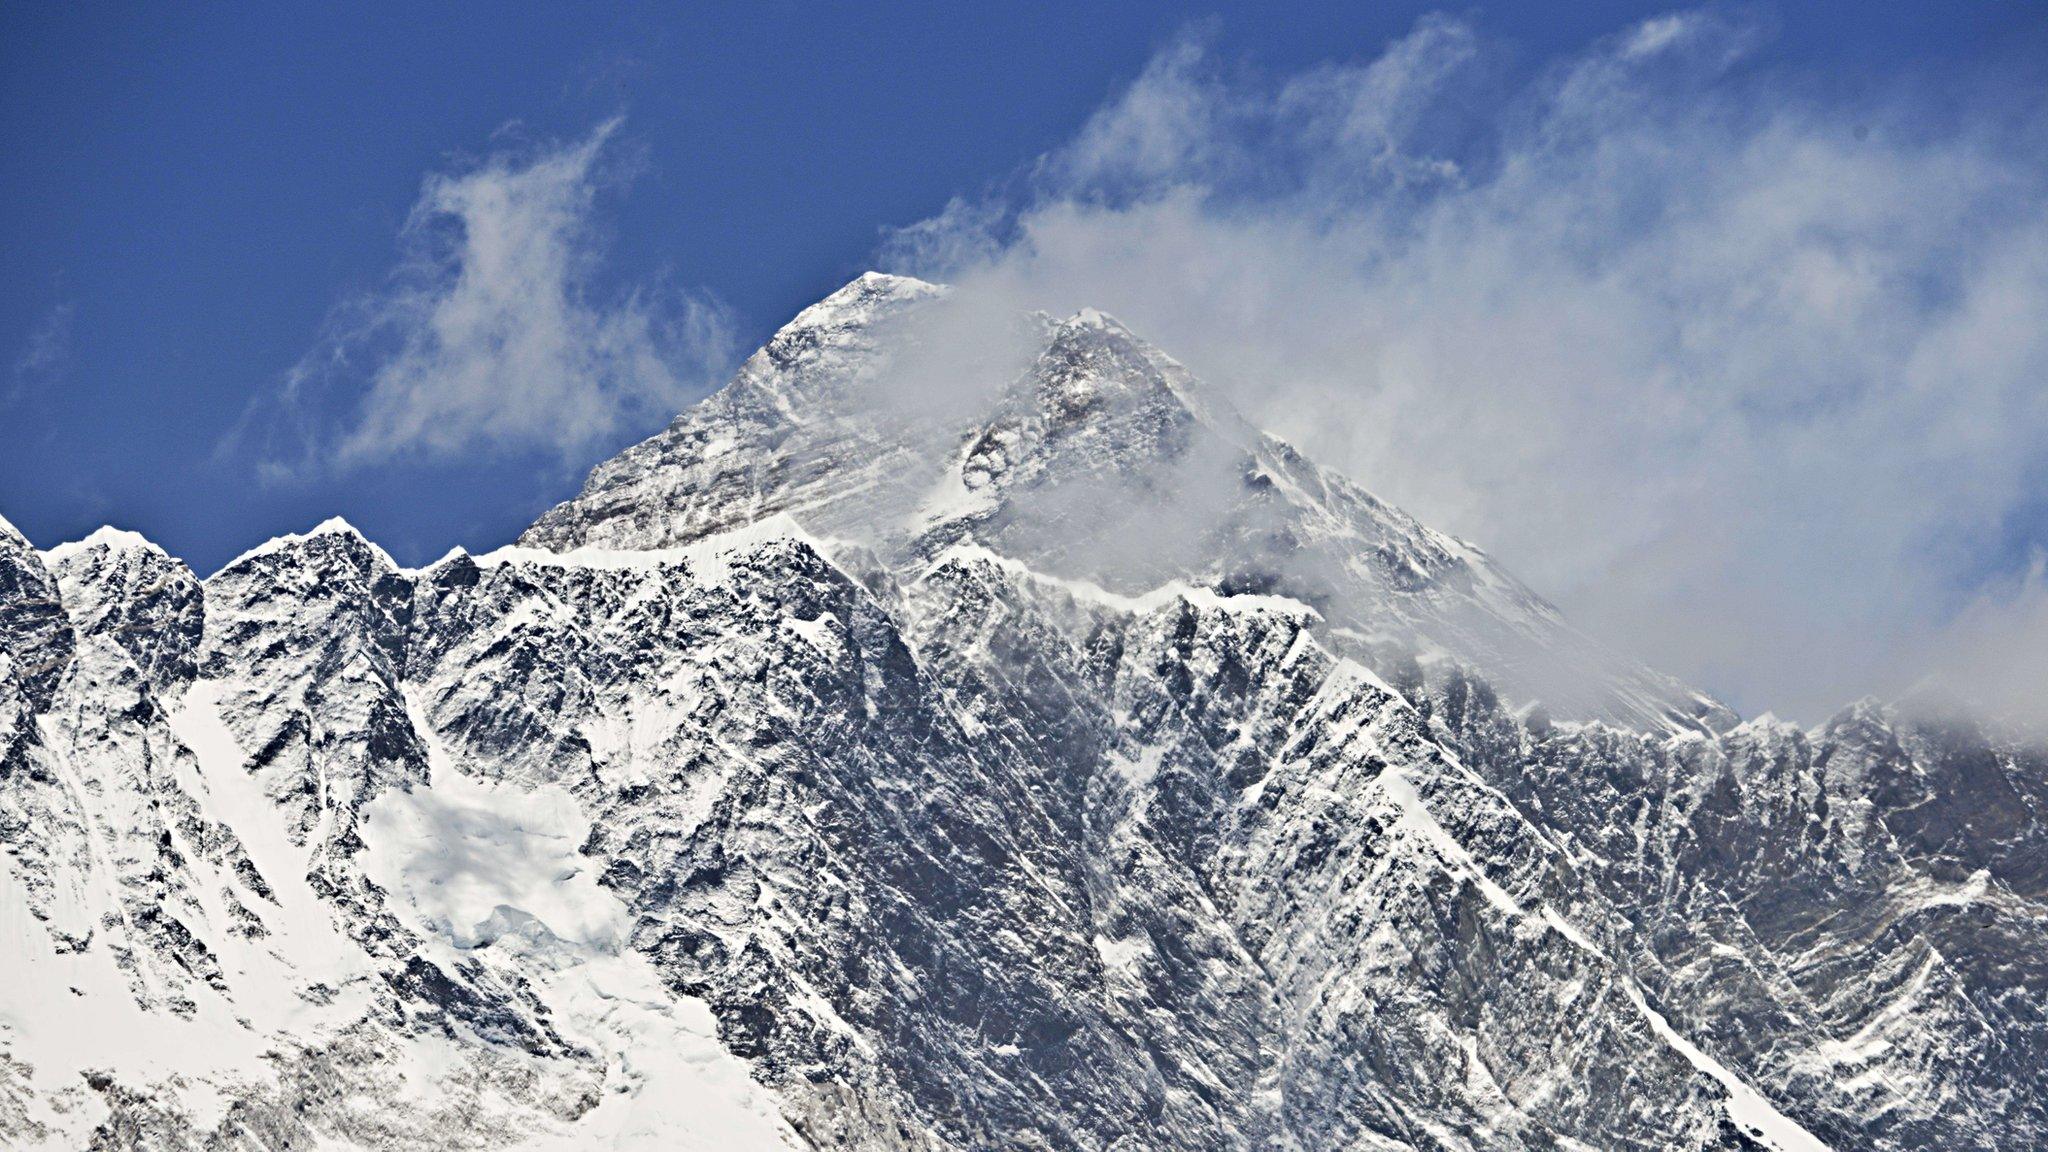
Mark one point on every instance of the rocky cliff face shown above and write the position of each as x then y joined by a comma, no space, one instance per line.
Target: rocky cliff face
1027,756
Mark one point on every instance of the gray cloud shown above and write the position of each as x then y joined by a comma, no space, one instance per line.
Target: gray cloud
492,334
1751,383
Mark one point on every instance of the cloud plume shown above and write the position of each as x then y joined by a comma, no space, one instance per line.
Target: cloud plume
492,333
1753,382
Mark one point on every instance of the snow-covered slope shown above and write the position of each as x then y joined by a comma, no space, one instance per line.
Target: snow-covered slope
1054,764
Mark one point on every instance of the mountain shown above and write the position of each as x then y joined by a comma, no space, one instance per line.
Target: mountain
928,743
1083,452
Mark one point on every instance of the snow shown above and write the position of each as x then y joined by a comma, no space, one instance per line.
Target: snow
1746,1106
820,634
1873,1039
64,1007
107,536
1973,889
61,1008
304,922
705,558
1087,592
1138,770
855,303
497,867
1092,318
1417,820
1118,955
950,498
672,1086
462,849
465,849
332,526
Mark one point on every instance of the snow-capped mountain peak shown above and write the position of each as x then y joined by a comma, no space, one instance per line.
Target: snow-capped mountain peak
918,749
1101,457
105,537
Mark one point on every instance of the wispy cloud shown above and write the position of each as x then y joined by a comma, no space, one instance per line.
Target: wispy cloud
1749,380
1988,654
493,333
45,356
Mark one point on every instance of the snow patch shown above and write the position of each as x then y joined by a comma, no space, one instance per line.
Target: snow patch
1139,770
464,849
229,793
492,864
1119,955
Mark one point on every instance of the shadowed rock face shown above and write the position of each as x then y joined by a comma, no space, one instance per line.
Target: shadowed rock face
119,586
966,828
36,637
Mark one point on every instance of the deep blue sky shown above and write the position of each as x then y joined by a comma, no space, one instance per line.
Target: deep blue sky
187,191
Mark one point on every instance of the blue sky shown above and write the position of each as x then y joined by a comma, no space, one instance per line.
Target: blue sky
201,211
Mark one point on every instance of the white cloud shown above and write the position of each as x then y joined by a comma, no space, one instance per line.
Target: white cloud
1656,34
46,355
1163,126
1750,383
493,334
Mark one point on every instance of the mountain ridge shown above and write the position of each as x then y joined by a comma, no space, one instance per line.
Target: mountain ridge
966,831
